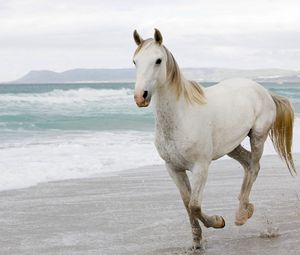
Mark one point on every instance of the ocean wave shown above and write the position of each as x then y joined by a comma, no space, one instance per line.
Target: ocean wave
72,96
73,109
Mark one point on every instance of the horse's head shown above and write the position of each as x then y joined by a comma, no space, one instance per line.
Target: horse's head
150,61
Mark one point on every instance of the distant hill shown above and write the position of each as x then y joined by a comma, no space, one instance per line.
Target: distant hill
78,75
128,75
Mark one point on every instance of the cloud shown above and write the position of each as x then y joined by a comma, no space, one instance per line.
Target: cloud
62,34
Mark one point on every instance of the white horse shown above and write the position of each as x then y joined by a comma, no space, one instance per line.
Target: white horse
196,125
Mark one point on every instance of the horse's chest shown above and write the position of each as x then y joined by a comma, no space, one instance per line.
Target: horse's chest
173,143
172,150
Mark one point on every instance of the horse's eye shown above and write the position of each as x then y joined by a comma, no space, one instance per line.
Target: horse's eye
158,61
133,62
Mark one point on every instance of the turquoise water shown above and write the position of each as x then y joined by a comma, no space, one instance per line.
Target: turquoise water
86,106
63,131
70,107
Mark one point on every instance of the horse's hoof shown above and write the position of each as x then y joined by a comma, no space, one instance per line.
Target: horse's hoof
220,222
198,247
240,222
241,217
250,209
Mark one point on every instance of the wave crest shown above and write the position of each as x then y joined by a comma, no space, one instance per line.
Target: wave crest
59,96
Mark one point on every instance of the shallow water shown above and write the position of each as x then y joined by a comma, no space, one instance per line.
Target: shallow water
62,131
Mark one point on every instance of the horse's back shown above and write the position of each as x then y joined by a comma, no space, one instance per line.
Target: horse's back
243,97
236,85
240,91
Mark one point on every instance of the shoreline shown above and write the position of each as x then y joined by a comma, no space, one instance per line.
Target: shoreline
114,173
139,211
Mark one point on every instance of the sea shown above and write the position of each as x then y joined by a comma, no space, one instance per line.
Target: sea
51,132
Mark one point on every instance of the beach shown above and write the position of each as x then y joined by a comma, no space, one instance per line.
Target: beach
139,211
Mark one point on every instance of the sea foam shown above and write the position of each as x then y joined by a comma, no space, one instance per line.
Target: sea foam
59,96
79,155
57,156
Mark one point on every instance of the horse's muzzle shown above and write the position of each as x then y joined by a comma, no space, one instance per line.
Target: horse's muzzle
142,100
144,104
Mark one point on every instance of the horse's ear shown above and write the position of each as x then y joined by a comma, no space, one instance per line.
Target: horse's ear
157,36
138,40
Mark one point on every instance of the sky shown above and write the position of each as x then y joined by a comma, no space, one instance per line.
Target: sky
64,34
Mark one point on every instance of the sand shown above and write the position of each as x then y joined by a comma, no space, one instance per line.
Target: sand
140,212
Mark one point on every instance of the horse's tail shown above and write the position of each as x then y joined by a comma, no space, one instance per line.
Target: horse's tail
281,132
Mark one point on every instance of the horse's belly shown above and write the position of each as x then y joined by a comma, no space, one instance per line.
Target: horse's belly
229,142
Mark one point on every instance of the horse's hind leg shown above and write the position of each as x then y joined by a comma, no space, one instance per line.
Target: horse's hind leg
250,161
257,146
243,156
182,182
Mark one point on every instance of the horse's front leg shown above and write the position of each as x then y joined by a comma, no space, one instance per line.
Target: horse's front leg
181,180
200,171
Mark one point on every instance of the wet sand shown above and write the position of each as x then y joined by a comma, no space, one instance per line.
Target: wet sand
140,212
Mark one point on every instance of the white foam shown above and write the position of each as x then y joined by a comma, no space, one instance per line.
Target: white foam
59,96
58,156
69,102
69,156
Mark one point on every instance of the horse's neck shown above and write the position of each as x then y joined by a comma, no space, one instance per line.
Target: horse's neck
166,110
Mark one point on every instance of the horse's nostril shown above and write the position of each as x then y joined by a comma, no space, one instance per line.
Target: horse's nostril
145,94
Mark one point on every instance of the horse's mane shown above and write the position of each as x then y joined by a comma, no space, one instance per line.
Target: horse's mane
192,91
